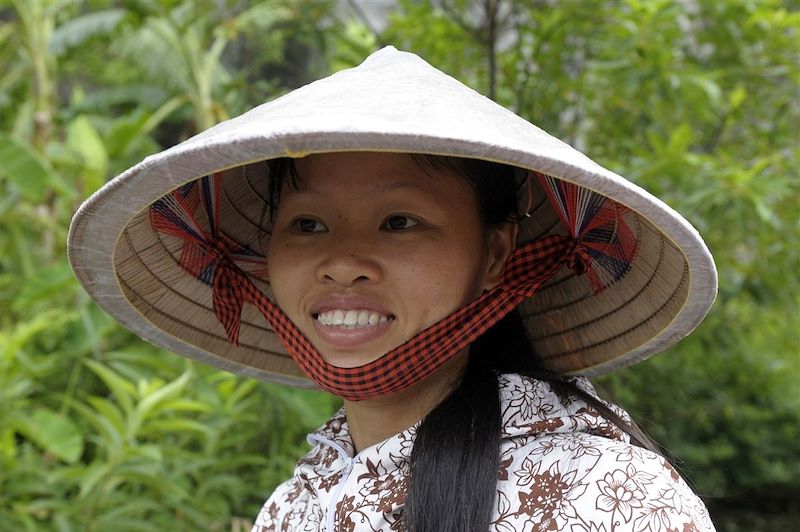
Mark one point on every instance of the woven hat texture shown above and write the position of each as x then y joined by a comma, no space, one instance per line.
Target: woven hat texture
393,101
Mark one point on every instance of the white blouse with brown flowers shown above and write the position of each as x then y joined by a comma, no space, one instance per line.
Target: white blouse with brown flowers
562,467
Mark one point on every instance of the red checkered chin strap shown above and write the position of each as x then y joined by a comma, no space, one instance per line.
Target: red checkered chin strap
599,245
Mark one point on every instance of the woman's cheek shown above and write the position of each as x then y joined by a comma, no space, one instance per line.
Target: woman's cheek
284,279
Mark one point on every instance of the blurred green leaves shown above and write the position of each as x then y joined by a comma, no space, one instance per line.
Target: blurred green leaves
99,431
26,171
84,140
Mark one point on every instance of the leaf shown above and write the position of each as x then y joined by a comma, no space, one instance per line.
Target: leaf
132,515
109,420
99,100
93,474
261,16
241,392
54,433
108,437
503,504
76,31
26,331
174,426
123,390
152,400
738,96
48,283
502,526
28,171
680,139
157,39
126,131
186,405
709,87
83,138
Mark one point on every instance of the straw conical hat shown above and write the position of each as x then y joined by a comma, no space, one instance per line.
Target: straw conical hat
393,101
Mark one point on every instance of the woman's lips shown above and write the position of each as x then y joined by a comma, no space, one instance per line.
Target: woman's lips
350,336
347,321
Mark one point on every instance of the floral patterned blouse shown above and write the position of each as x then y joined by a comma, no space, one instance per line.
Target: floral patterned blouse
562,467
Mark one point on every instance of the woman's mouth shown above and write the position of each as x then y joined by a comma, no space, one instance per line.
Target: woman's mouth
351,319
350,328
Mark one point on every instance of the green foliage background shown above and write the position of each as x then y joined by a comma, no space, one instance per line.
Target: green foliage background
696,100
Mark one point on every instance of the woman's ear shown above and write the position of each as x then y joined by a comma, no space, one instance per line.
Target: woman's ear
502,241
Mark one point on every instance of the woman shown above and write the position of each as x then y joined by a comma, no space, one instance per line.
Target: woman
443,297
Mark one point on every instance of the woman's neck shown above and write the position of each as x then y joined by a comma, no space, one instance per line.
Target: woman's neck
373,420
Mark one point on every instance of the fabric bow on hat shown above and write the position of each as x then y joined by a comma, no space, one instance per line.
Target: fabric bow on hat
210,255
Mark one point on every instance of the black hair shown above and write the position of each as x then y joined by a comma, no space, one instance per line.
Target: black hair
455,459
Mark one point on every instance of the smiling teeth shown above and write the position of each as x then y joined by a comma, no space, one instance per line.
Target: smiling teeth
352,318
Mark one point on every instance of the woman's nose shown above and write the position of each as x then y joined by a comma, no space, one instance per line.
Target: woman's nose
347,266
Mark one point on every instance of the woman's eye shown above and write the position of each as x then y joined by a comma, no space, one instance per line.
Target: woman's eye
398,223
309,225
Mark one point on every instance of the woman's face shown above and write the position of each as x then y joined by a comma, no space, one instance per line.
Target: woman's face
371,249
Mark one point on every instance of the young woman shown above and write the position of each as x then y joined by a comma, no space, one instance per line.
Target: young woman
442,266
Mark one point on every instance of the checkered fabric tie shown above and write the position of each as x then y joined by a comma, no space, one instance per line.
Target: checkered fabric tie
599,244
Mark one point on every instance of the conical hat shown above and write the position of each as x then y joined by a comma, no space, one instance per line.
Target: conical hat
394,101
